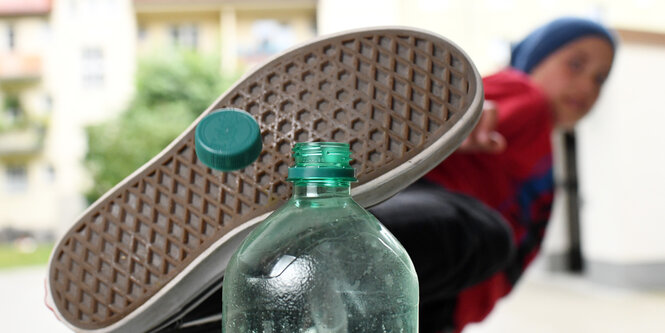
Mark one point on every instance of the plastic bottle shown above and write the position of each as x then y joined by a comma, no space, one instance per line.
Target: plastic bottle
320,263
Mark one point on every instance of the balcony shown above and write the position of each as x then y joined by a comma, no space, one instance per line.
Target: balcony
24,141
20,67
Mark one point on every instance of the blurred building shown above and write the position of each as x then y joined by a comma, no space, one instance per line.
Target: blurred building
65,64
27,175
242,32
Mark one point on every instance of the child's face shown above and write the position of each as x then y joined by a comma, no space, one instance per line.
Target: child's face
572,77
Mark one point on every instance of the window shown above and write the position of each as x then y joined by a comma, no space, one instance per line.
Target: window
272,36
47,103
11,37
174,34
142,33
93,67
17,178
49,173
184,35
268,36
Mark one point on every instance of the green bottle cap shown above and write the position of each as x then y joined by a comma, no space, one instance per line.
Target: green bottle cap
227,140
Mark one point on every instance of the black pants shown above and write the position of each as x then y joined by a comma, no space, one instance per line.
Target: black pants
453,240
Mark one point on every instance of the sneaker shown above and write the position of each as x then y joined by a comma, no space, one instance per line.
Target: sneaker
158,243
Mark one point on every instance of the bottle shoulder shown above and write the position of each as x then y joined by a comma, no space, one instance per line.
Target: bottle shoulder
302,227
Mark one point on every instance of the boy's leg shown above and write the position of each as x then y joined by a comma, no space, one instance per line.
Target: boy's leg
453,240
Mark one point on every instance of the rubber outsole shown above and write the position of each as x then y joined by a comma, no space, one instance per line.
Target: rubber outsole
403,99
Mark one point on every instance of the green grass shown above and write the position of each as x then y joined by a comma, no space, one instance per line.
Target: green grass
11,256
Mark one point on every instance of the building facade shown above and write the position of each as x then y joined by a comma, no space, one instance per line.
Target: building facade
242,33
66,64
27,174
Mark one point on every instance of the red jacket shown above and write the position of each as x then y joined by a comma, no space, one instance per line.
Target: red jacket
518,182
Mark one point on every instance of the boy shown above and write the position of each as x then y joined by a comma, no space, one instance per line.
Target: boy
486,206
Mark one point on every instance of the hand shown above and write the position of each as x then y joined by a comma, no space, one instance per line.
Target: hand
484,138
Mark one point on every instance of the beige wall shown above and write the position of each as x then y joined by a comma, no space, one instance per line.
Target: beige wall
34,208
109,27
622,162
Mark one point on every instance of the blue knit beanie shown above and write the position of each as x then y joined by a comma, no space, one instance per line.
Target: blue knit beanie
547,39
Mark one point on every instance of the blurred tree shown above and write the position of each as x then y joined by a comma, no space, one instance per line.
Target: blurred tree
173,88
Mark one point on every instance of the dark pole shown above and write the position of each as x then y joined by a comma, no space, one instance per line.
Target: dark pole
574,256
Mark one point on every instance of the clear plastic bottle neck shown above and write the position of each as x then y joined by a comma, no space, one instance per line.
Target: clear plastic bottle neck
321,170
308,188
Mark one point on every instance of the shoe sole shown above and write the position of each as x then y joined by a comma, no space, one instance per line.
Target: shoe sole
404,99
